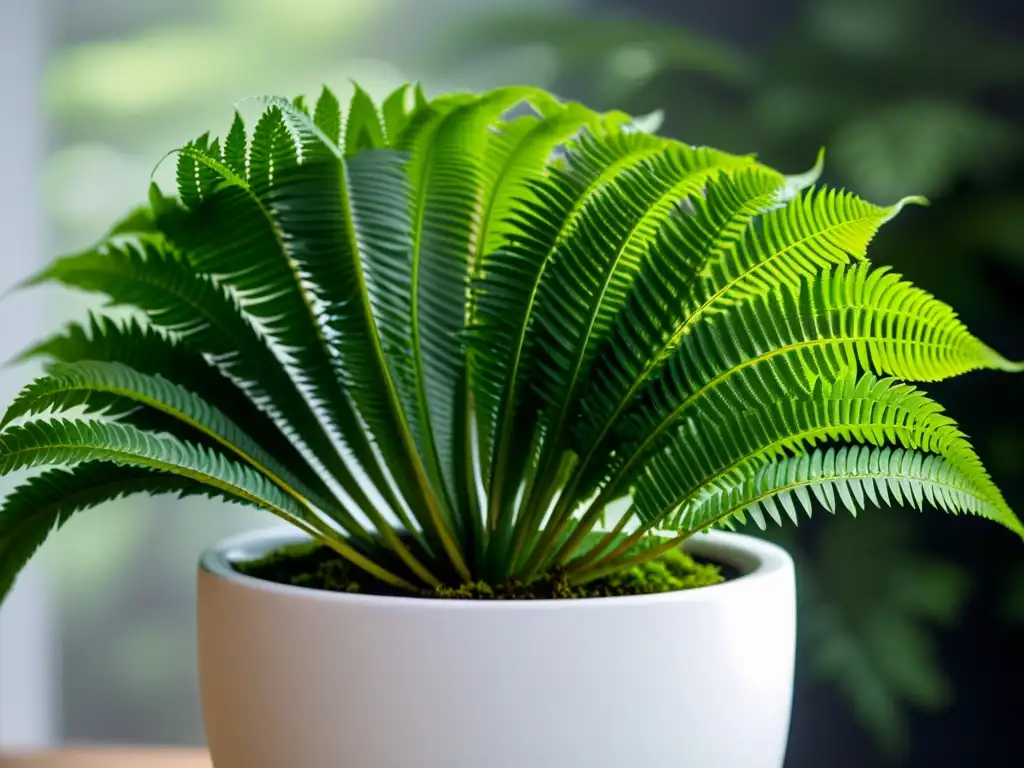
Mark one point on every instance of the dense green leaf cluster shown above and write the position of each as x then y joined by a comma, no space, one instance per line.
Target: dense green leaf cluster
479,319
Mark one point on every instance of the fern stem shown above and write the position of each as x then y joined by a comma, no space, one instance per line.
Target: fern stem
388,534
606,566
627,544
535,504
466,472
440,527
552,477
497,558
562,514
329,538
558,523
497,490
597,551
588,520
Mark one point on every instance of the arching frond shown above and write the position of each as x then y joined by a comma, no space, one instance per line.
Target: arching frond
446,157
818,228
344,222
76,384
592,272
711,451
851,475
151,351
61,441
192,307
71,384
396,112
594,265
645,331
363,126
41,505
231,230
516,158
846,318
518,152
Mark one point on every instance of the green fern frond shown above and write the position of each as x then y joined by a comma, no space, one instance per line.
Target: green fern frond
255,259
61,441
352,240
44,503
647,328
363,127
592,273
235,153
852,475
151,351
444,169
343,224
507,294
594,265
518,153
846,318
193,308
659,310
712,450
486,317
73,384
819,228
395,112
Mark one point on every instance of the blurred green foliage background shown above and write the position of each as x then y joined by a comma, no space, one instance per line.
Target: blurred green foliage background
910,627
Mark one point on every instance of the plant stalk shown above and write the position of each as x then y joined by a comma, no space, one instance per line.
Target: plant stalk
606,566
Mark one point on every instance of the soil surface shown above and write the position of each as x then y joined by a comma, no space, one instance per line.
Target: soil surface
319,567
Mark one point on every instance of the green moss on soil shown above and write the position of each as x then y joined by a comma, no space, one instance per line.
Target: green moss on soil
318,567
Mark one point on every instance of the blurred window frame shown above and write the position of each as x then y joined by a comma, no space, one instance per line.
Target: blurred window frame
28,643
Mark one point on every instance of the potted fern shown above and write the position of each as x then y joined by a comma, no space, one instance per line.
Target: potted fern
445,340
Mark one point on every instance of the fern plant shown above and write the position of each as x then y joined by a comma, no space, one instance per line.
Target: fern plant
441,336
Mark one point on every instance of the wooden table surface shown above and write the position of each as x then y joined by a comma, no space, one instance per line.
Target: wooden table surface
113,757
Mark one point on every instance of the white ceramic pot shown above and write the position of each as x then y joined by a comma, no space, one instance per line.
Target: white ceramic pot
301,678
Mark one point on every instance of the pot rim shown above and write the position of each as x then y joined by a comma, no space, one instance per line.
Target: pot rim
755,559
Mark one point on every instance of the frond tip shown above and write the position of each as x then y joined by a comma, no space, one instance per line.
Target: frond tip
899,205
